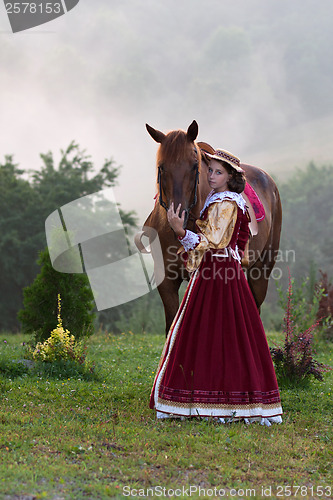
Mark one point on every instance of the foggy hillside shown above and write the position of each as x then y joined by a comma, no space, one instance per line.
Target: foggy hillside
257,76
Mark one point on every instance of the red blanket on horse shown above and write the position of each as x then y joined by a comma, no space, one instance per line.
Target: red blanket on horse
255,202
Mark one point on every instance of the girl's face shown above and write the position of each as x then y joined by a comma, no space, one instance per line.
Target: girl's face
218,177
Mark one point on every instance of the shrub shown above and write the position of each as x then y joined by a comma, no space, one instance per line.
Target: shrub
60,346
294,361
39,314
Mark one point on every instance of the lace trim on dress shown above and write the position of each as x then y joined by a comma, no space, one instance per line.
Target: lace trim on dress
224,195
190,240
267,421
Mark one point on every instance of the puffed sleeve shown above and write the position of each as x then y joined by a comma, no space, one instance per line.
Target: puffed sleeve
215,231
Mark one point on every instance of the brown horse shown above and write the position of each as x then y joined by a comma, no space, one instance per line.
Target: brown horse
182,179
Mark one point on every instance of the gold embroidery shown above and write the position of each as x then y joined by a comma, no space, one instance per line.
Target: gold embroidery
215,231
192,406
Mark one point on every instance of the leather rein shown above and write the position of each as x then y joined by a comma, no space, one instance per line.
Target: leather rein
196,182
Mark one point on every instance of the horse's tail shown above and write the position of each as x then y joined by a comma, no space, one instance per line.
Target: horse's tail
276,222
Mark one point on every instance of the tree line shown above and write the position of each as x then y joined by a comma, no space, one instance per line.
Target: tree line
25,203
24,206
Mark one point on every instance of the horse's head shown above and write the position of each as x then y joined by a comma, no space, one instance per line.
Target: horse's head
178,164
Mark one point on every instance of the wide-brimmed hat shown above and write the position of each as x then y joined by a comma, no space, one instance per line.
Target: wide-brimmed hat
222,155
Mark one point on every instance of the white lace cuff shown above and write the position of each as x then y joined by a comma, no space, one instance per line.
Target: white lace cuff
190,240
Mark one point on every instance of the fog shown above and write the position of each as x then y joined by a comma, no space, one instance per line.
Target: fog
257,76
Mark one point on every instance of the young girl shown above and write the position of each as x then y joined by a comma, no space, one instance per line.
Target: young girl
216,361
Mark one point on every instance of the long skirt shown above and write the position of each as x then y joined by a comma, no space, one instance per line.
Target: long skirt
216,361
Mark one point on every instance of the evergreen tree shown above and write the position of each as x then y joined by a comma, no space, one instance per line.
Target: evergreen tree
18,241
39,315
307,227
24,207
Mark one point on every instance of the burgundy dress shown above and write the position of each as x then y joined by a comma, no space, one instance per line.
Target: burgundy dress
216,361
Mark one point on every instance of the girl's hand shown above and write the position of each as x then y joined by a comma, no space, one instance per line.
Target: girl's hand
176,221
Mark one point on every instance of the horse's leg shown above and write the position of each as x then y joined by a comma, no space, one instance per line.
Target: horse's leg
168,291
257,277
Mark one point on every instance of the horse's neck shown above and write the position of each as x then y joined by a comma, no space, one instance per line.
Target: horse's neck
203,192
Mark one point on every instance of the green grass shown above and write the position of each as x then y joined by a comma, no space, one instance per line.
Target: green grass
66,434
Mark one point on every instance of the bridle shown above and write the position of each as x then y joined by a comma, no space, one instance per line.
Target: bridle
195,189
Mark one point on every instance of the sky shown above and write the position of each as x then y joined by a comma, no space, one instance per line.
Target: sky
99,73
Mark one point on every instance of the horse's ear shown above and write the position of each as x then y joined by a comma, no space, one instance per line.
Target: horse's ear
156,134
192,131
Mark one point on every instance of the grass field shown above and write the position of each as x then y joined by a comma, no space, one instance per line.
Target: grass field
70,435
